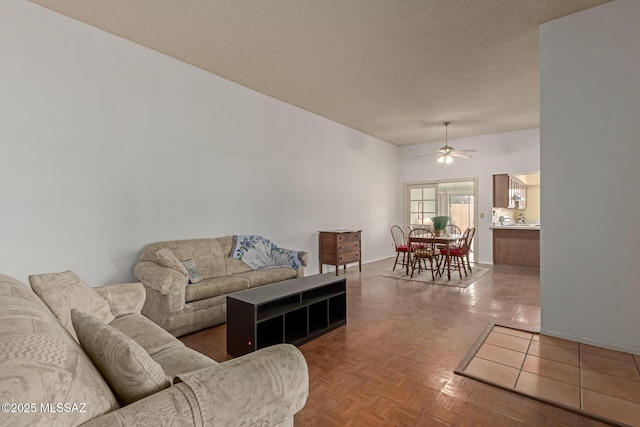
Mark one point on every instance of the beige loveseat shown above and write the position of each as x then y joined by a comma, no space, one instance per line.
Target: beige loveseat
48,379
182,307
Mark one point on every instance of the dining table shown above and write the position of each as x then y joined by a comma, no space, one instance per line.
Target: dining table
446,240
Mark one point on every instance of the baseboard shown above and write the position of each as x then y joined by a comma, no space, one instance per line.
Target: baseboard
596,343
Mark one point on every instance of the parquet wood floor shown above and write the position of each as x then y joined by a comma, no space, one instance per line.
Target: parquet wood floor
393,363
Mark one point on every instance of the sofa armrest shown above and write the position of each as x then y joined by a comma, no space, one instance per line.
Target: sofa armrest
265,387
162,279
304,258
124,298
170,407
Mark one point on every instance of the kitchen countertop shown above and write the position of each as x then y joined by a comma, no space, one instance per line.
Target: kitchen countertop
516,227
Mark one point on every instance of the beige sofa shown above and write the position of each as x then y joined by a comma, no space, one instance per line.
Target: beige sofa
48,379
181,307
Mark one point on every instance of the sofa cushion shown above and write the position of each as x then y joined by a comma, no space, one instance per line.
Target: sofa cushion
166,258
180,360
62,292
215,287
124,364
41,363
147,334
265,276
123,298
206,253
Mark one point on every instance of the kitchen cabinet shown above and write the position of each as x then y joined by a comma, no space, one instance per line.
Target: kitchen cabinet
507,189
516,246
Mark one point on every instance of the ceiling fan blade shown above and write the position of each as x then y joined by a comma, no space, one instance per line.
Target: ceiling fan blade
460,155
448,150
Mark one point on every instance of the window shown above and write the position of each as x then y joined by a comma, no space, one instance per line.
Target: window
422,204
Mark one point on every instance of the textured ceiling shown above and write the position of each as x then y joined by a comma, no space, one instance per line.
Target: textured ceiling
394,69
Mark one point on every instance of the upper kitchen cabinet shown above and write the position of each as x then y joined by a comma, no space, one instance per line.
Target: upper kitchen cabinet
509,192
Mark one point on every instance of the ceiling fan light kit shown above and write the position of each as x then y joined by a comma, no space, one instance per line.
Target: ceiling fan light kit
444,158
447,153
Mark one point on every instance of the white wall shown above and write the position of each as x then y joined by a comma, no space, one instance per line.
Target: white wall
590,148
509,152
106,146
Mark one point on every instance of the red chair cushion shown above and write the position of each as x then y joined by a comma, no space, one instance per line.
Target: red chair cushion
402,248
457,251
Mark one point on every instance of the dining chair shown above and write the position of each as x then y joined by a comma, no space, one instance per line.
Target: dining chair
460,253
451,230
420,228
400,242
427,250
472,234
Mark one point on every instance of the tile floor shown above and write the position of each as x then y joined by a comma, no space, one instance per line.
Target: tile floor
595,380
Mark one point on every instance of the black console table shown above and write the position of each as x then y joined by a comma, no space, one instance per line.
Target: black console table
292,311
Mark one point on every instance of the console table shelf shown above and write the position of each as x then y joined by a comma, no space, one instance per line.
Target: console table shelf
293,311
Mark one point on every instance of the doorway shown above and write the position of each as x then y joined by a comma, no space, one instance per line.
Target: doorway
453,198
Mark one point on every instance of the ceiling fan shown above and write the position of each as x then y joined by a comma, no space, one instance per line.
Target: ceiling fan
447,153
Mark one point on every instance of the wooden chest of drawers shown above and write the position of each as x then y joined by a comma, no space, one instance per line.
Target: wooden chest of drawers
340,247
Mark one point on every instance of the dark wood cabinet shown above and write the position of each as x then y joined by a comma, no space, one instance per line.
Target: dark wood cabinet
516,247
340,247
505,189
293,311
